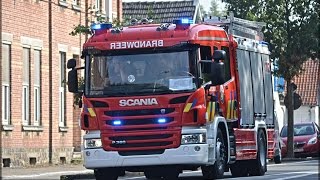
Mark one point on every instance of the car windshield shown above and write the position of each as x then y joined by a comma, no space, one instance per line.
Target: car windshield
299,130
138,74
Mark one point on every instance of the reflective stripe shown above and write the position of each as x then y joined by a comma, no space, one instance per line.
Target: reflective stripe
91,112
212,38
211,110
188,107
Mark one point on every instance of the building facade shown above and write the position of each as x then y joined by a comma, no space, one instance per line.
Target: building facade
39,120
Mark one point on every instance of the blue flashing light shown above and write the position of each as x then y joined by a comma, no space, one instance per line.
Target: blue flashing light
186,21
162,120
183,21
117,122
101,26
264,43
96,26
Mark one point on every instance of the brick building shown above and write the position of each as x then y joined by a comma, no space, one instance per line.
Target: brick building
39,120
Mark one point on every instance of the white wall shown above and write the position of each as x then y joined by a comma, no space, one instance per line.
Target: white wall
305,114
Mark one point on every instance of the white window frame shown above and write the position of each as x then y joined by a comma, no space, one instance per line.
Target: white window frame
37,106
6,91
25,91
62,105
6,104
25,105
36,90
97,6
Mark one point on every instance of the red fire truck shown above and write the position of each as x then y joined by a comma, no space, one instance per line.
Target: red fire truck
163,98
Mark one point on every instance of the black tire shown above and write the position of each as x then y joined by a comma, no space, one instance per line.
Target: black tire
151,176
258,167
106,174
278,158
172,174
216,171
239,169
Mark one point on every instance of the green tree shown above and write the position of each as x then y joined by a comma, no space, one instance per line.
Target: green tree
203,12
214,9
293,33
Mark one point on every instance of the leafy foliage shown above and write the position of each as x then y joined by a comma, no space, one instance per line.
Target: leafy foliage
214,9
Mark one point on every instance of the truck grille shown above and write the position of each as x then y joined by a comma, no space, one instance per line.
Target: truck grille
141,112
139,140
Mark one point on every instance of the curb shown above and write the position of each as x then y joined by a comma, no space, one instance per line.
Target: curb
299,159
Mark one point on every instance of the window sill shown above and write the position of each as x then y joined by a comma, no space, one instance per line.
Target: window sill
32,128
63,3
76,7
63,129
7,127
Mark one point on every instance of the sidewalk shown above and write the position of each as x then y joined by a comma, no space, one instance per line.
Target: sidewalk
48,172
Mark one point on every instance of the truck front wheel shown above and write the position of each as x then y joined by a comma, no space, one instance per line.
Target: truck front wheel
106,174
216,171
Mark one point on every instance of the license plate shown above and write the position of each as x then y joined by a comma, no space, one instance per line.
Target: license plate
298,150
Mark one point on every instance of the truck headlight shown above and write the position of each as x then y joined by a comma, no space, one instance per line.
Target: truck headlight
193,138
92,143
312,140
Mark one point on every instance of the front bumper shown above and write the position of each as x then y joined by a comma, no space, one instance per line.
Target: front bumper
183,155
306,150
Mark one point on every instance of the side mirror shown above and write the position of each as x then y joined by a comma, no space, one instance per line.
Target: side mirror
71,63
73,81
214,71
219,55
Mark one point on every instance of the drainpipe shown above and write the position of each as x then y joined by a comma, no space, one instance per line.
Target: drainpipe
108,9
1,79
86,19
50,79
118,10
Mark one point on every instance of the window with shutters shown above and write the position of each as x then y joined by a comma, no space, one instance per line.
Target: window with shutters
25,86
6,57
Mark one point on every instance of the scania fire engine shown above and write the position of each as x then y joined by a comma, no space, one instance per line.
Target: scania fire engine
163,98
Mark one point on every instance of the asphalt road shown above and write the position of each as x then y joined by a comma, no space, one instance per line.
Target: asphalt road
293,170
288,170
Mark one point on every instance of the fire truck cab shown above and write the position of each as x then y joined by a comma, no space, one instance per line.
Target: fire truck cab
163,98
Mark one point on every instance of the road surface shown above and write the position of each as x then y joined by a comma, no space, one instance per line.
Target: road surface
294,170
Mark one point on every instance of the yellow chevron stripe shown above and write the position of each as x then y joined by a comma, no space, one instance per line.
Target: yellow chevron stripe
228,110
208,110
91,112
231,109
213,111
187,108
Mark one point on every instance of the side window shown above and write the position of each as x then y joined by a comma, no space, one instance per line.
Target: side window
227,63
205,53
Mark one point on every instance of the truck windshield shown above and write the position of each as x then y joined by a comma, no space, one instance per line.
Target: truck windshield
140,74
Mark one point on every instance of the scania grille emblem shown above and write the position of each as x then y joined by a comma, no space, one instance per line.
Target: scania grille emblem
163,111
119,142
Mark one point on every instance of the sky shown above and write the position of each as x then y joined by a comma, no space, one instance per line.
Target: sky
205,3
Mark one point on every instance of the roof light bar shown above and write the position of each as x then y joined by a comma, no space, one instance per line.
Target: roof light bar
100,28
183,21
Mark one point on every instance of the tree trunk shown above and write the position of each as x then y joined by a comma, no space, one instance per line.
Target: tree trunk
290,153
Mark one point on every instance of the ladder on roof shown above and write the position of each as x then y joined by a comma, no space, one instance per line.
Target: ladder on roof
238,27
